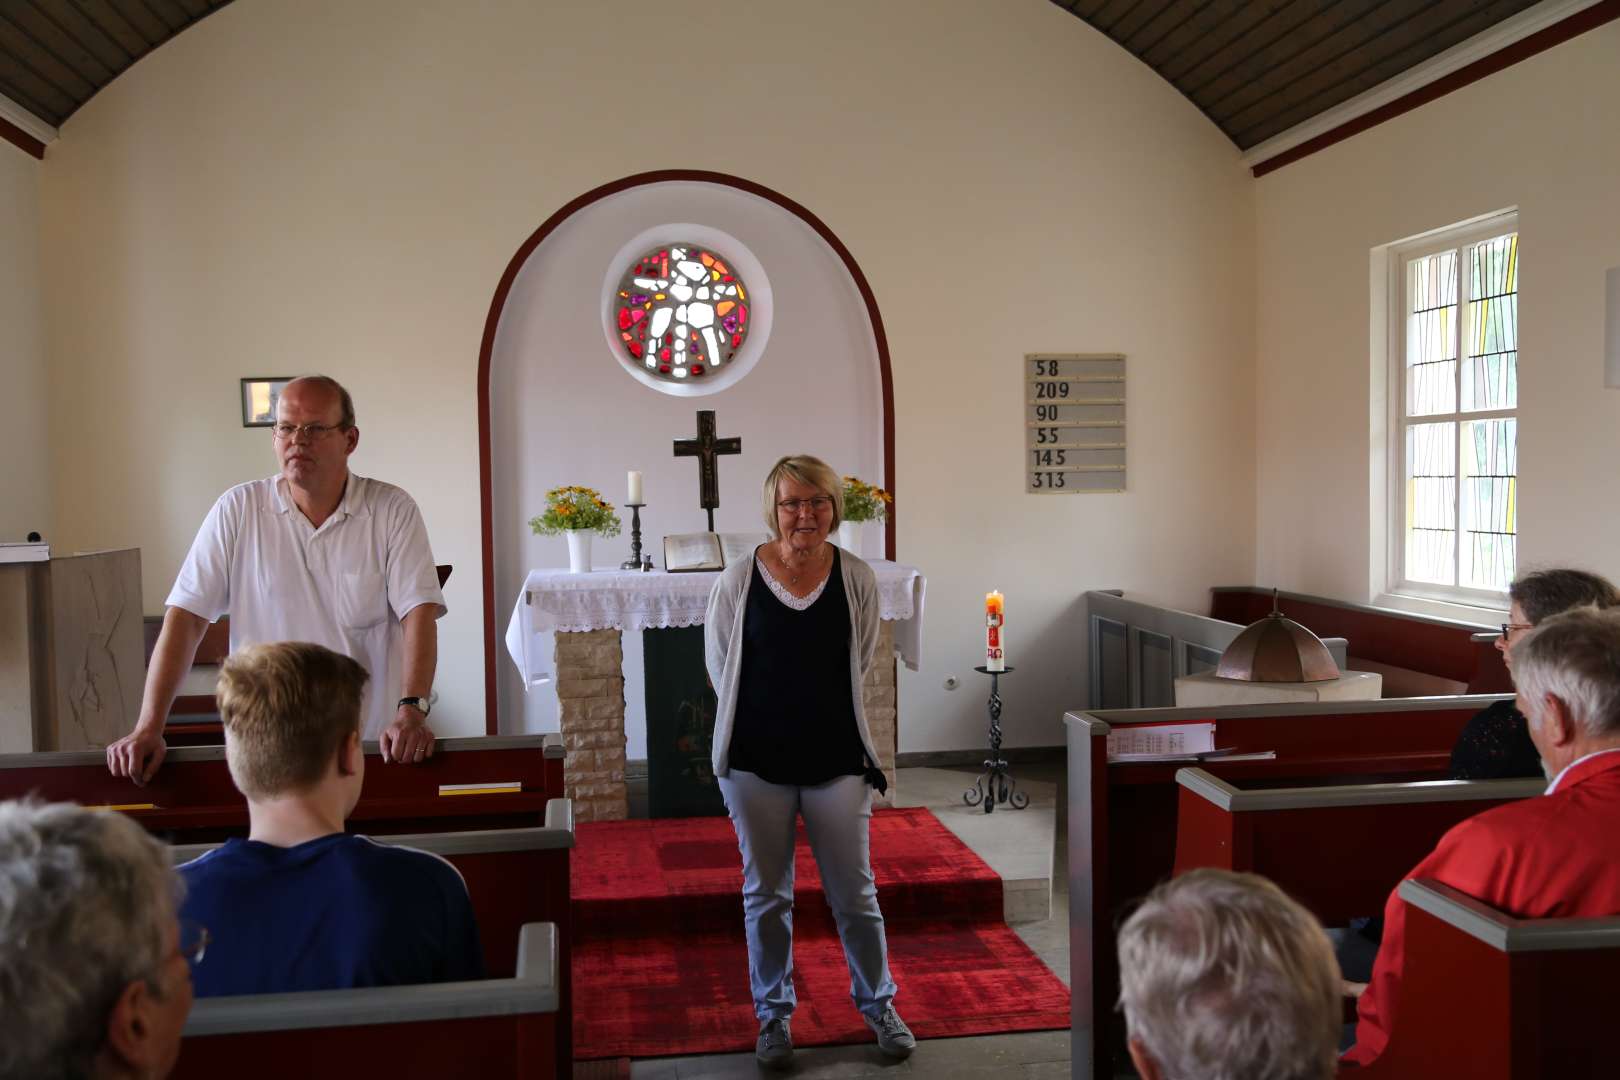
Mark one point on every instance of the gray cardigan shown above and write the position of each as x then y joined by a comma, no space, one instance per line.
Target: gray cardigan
723,641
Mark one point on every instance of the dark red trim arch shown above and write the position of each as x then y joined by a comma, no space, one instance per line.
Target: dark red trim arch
493,321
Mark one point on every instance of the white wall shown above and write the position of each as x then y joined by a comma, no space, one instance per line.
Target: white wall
302,185
816,389
1536,136
25,489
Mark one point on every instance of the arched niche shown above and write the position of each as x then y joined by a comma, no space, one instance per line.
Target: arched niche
554,407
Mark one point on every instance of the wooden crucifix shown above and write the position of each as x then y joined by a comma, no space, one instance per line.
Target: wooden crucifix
707,449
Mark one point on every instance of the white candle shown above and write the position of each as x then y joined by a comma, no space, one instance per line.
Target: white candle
635,487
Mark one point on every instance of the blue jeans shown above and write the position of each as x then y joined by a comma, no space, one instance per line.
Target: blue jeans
836,815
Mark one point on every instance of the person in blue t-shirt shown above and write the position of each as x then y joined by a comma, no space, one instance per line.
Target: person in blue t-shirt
300,904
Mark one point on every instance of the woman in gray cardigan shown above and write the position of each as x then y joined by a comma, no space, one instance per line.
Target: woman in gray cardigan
788,637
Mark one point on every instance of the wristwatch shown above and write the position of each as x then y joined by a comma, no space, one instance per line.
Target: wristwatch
421,703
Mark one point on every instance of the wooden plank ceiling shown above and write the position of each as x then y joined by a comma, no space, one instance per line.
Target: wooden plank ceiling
55,54
1255,67
1259,67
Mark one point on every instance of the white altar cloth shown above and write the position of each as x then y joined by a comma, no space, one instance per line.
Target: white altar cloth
556,600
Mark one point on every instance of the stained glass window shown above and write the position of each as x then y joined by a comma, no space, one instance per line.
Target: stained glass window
1461,390
681,312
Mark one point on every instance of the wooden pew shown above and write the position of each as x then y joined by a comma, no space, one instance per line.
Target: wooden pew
506,1027
1121,830
1339,849
514,877
194,801
1139,649
1491,997
1416,654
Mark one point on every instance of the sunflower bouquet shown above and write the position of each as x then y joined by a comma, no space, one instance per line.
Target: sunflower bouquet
572,507
865,502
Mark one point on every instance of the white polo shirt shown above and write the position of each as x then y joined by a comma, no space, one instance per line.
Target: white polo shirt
345,585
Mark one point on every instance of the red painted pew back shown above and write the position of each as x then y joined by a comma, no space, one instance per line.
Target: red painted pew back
1122,817
1340,849
1491,997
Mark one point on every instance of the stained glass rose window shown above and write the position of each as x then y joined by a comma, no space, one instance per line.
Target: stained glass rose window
682,312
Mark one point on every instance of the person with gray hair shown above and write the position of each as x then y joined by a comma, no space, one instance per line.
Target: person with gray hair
1495,744
95,971
1222,977
1552,857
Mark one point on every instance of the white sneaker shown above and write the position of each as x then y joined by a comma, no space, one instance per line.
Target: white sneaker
894,1038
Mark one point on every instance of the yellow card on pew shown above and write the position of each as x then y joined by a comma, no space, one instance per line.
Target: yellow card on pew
124,806
487,787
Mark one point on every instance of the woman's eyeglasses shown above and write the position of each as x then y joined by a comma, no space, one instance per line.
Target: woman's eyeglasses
1509,627
816,503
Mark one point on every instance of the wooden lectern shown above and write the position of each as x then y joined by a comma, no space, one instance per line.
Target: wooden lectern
71,662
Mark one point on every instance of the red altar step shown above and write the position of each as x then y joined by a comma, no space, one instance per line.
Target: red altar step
660,966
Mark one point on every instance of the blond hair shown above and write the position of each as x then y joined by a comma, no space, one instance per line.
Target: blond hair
1224,977
802,469
287,709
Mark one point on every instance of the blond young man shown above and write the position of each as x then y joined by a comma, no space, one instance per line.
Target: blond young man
300,904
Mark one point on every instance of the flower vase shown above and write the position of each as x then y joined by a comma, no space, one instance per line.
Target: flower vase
579,550
849,536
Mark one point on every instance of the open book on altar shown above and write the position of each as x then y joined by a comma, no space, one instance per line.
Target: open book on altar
685,552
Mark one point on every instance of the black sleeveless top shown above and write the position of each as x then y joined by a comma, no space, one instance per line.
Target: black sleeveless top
795,718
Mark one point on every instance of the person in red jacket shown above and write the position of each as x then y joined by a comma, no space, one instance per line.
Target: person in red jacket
1555,856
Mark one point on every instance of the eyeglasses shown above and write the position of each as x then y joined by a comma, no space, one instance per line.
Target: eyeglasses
817,503
1509,627
311,432
194,939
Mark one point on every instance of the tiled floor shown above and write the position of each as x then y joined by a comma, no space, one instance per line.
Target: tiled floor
1019,846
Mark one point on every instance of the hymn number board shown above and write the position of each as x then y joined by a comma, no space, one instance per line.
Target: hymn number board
1074,423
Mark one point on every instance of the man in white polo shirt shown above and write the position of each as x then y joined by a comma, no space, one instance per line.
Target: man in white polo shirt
313,554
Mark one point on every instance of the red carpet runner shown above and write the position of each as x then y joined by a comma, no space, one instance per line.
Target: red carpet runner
660,967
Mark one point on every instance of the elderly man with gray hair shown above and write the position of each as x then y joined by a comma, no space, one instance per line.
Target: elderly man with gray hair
1556,856
1223,977
95,975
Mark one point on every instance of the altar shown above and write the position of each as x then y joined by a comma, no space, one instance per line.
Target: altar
589,612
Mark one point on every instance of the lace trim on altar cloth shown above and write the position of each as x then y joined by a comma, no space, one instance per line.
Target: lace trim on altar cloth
797,603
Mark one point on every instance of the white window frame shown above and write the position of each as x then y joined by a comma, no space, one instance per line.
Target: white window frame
1455,237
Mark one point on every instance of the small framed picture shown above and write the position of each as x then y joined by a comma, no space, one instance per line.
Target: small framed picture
259,396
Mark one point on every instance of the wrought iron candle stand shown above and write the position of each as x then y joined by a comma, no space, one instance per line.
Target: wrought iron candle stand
634,561
995,784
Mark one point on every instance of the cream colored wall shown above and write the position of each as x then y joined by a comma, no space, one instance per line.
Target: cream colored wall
1537,136
25,488
305,185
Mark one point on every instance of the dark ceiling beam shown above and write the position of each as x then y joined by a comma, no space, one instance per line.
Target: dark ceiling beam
19,138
